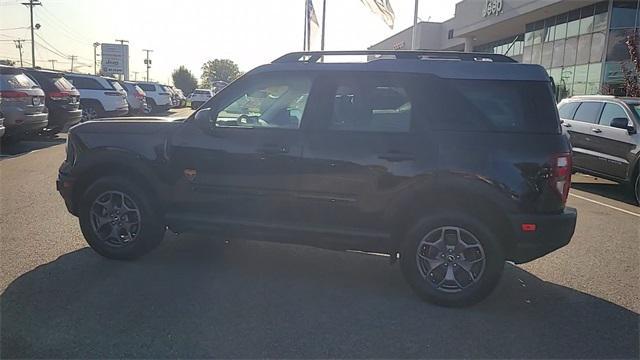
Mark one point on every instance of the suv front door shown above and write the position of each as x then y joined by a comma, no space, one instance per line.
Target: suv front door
358,149
241,167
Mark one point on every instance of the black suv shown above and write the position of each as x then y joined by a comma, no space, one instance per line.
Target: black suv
451,162
604,133
61,98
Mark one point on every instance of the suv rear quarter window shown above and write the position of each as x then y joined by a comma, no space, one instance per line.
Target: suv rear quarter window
589,112
491,105
610,112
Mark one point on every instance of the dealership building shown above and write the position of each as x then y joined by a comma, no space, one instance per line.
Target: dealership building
581,43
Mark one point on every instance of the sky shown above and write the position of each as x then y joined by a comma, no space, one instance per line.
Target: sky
190,32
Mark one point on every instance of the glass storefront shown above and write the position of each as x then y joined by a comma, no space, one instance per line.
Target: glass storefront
574,48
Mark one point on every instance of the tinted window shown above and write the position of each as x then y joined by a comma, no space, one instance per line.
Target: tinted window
567,110
115,85
147,87
17,81
490,105
85,83
370,105
62,83
588,112
623,13
610,112
267,103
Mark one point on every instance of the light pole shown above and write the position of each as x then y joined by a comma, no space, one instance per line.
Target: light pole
53,63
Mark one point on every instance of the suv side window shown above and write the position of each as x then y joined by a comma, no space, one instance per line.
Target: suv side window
274,102
85,83
610,112
371,105
588,112
567,110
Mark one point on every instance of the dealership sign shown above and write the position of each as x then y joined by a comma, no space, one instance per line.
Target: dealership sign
492,7
115,59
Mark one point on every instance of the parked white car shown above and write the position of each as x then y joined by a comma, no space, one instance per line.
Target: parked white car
99,96
199,97
158,98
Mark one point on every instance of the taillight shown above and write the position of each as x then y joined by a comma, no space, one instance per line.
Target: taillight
58,96
561,175
10,95
139,96
112,93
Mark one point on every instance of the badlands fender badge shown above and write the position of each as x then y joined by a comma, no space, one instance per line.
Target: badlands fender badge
190,174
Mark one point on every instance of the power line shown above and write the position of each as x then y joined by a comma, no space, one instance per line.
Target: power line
15,28
53,47
63,26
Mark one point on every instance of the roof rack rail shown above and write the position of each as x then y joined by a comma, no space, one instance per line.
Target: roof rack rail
315,56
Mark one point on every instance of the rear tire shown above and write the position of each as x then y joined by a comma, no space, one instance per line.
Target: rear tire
119,220
452,260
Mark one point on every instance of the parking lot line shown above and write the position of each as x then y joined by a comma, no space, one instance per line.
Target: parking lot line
606,205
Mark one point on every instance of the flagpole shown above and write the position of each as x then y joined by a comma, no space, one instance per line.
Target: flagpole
306,15
324,18
414,32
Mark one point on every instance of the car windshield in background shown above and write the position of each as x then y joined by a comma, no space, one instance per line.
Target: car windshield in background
18,81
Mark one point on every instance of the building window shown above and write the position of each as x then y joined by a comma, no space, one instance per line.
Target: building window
450,34
600,17
558,53
570,51
617,49
561,27
573,26
584,49
597,47
624,14
586,20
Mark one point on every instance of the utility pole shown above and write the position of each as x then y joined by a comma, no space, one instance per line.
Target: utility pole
125,69
31,4
324,22
135,75
53,62
73,58
95,57
147,61
19,47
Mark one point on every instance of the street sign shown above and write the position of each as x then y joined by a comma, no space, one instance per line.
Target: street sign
115,59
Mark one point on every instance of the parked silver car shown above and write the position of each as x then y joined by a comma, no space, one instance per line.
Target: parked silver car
21,103
136,98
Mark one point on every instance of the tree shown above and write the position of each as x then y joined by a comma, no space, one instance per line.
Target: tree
7,62
219,70
184,80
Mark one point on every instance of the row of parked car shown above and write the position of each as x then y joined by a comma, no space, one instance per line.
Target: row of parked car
38,101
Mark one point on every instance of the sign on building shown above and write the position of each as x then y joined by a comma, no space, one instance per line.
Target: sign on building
492,7
115,59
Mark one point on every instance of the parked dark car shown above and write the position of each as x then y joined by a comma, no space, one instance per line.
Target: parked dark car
21,104
451,163
604,133
62,99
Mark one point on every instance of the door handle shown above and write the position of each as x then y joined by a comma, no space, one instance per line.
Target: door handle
270,149
395,156
566,124
596,130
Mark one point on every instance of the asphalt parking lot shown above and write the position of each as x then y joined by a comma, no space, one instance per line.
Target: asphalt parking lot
199,297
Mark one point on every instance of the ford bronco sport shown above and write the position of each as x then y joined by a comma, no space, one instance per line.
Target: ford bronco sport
452,163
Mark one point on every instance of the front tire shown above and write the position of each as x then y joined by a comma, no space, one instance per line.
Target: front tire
452,260
119,220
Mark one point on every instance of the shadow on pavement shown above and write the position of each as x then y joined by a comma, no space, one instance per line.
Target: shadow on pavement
29,144
195,297
612,191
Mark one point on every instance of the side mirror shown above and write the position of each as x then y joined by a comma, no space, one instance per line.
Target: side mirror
204,118
623,123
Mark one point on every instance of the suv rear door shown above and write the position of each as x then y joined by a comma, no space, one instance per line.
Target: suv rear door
612,145
358,148
582,130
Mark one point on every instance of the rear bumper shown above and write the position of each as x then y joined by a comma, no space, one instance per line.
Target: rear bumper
16,125
61,118
552,232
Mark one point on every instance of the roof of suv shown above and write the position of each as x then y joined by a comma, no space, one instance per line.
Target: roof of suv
602,97
445,64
